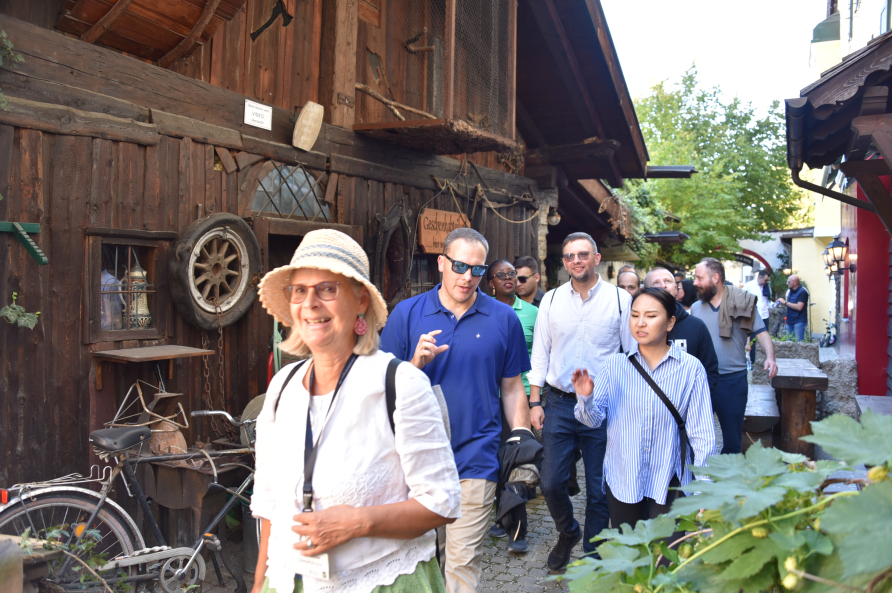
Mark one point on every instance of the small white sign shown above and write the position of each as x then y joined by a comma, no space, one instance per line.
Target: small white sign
258,115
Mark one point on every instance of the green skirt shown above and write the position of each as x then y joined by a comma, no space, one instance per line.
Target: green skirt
425,579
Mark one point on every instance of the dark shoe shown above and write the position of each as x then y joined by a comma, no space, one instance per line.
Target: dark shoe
497,531
518,546
560,555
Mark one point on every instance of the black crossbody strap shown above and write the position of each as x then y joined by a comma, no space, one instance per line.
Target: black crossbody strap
682,430
390,390
284,385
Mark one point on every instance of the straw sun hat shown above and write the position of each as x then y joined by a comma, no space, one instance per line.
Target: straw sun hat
325,249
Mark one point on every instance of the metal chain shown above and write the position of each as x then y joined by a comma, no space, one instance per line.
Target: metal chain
231,432
208,402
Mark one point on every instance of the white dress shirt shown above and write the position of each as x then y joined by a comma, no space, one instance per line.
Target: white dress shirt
573,332
642,436
360,463
753,287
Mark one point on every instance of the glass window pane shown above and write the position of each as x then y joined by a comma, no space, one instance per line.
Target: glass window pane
285,191
126,287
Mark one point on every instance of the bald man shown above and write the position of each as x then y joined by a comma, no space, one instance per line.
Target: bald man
689,334
629,281
796,301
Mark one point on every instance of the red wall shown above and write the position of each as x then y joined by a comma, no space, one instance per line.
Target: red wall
865,335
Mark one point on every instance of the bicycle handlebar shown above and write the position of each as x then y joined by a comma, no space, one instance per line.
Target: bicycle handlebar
226,415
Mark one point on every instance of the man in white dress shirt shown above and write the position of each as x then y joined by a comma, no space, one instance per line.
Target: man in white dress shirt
579,325
759,287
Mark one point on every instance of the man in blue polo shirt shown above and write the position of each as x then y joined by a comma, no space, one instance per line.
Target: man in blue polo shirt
474,348
797,307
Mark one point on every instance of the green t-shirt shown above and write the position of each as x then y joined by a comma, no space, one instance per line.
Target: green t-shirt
527,314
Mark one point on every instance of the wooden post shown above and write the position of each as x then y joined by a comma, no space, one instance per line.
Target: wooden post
449,62
339,92
512,66
797,411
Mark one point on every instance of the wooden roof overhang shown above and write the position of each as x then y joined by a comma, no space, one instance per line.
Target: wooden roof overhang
570,88
844,119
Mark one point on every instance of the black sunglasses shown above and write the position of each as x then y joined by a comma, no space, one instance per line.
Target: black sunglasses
523,279
461,267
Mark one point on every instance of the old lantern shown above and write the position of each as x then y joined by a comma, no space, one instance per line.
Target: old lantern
140,317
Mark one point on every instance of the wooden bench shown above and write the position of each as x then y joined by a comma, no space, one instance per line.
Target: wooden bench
796,384
881,404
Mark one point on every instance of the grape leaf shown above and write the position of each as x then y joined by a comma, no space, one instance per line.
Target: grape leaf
643,534
805,481
831,568
864,520
597,582
818,542
729,549
869,442
737,499
748,564
28,320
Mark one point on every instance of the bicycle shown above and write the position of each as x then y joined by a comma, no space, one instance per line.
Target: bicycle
829,338
38,507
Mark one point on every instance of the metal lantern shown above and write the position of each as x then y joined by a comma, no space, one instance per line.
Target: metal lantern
140,317
826,257
838,252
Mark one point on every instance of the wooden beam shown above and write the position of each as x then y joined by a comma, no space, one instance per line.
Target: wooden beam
567,65
449,61
74,122
339,99
670,171
226,158
189,40
285,153
178,126
867,174
246,159
106,22
590,148
131,233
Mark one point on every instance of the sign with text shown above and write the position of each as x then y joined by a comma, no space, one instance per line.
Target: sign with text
744,259
258,115
434,226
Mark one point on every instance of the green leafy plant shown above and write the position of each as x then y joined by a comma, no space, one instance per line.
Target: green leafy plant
763,523
15,313
8,55
82,550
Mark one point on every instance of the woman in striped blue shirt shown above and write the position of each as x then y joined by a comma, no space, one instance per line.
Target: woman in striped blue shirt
643,457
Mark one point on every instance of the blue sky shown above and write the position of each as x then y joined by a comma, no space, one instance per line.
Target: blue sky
756,50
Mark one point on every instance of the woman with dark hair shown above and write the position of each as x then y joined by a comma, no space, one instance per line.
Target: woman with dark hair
687,294
647,453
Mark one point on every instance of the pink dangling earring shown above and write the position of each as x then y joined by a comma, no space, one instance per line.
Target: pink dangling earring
360,327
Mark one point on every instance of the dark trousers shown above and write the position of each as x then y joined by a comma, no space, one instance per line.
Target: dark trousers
729,404
646,508
562,435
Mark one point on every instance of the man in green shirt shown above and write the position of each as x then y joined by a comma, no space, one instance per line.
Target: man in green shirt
503,282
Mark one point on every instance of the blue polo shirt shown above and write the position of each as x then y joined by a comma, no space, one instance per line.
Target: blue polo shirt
800,295
485,345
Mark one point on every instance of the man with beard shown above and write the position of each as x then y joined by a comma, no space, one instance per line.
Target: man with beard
688,333
730,335
579,325
474,348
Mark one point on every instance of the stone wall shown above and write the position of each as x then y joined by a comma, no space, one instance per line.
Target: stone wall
842,374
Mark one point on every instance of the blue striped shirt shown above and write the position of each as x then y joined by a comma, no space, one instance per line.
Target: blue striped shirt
642,436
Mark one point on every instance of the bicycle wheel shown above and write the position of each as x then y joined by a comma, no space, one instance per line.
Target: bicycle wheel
44,511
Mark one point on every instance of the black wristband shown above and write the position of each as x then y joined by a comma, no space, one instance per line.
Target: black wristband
534,404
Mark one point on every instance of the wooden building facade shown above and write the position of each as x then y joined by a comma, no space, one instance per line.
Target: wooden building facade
110,154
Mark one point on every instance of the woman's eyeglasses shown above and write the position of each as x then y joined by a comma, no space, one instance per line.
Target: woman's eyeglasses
461,267
582,255
506,275
325,291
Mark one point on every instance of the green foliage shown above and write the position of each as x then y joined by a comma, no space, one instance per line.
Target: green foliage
766,524
742,187
16,314
81,549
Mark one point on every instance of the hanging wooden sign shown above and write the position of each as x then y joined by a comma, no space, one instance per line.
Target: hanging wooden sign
434,226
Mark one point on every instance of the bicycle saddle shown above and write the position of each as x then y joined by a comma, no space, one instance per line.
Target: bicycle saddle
118,439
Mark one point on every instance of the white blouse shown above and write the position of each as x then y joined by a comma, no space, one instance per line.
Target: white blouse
360,463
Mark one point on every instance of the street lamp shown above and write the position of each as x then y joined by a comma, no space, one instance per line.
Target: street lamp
826,257
838,253
553,216
787,271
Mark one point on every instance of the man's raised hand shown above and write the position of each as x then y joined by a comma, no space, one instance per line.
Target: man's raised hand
427,349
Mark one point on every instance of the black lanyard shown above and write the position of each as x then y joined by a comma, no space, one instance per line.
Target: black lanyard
311,450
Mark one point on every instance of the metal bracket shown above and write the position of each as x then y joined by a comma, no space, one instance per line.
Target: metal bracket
21,230
346,100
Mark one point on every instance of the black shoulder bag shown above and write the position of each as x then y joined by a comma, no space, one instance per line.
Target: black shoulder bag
683,441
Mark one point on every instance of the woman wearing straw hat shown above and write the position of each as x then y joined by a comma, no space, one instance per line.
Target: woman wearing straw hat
347,502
